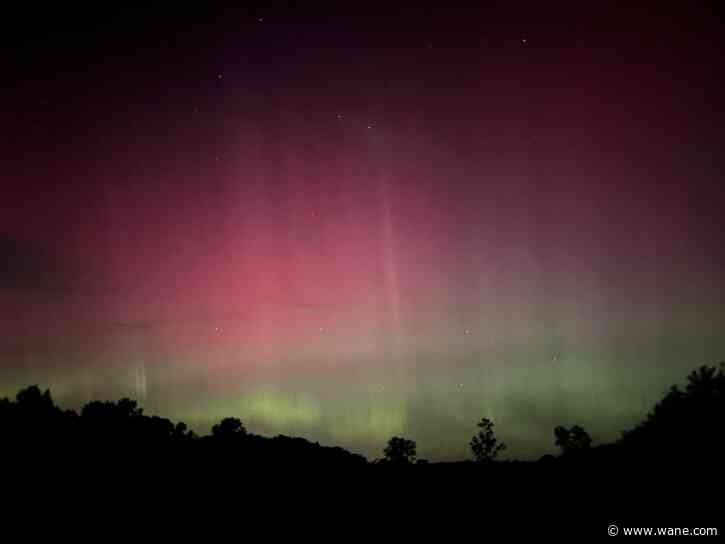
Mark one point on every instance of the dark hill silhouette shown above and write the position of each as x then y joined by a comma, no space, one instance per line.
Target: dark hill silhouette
105,432
686,424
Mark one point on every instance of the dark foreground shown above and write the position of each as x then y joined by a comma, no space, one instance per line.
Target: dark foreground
113,464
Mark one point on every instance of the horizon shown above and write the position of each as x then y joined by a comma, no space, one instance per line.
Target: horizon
717,371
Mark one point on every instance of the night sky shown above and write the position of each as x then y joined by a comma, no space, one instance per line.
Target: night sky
349,226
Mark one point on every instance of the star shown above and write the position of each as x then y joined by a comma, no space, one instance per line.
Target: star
219,76
467,331
260,19
524,41
340,116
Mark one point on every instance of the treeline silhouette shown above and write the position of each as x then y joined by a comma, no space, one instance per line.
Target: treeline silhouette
686,425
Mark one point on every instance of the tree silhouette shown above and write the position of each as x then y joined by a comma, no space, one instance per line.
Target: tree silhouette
32,401
400,451
33,419
229,427
182,433
572,440
122,410
706,382
484,445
